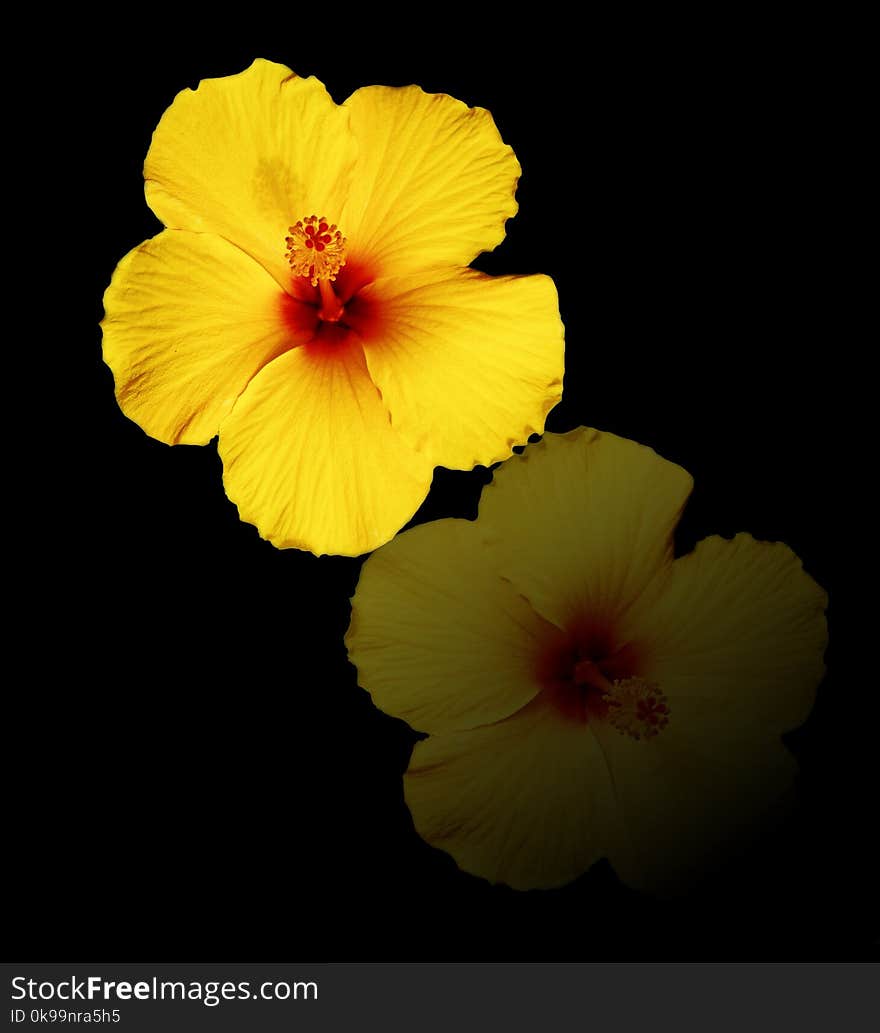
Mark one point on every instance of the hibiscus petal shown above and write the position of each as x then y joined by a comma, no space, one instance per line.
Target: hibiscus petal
246,155
735,642
468,364
737,637
189,320
582,522
688,802
310,457
438,637
527,801
434,182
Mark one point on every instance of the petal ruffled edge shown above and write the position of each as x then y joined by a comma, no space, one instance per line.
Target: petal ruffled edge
469,365
189,320
438,637
434,182
738,634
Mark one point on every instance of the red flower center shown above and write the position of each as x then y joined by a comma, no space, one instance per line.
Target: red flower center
316,253
588,675
321,311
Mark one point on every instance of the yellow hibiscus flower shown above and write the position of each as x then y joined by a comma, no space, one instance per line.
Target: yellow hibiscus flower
587,695
310,301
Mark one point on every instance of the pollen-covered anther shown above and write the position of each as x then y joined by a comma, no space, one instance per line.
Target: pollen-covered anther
315,249
637,708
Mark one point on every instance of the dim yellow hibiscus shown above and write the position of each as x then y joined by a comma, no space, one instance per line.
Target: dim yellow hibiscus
310,301
586,694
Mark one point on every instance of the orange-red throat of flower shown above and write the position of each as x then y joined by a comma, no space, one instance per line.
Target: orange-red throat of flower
316,251
588,676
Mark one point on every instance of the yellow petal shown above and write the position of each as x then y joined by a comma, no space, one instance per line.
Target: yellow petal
310,457
438,637
434,181
582,522
246,155
468,364
688,803
527,801
736,640
189,320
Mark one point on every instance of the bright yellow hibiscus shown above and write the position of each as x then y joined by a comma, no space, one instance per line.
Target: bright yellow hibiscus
587,695
310,301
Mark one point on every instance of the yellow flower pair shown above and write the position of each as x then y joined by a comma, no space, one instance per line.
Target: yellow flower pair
309,301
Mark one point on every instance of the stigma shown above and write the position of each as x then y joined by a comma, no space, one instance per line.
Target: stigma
636,708
315,249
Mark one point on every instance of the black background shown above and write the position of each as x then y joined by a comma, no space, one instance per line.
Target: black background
196,773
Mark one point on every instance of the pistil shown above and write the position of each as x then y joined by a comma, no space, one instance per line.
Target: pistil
588,673
331,307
